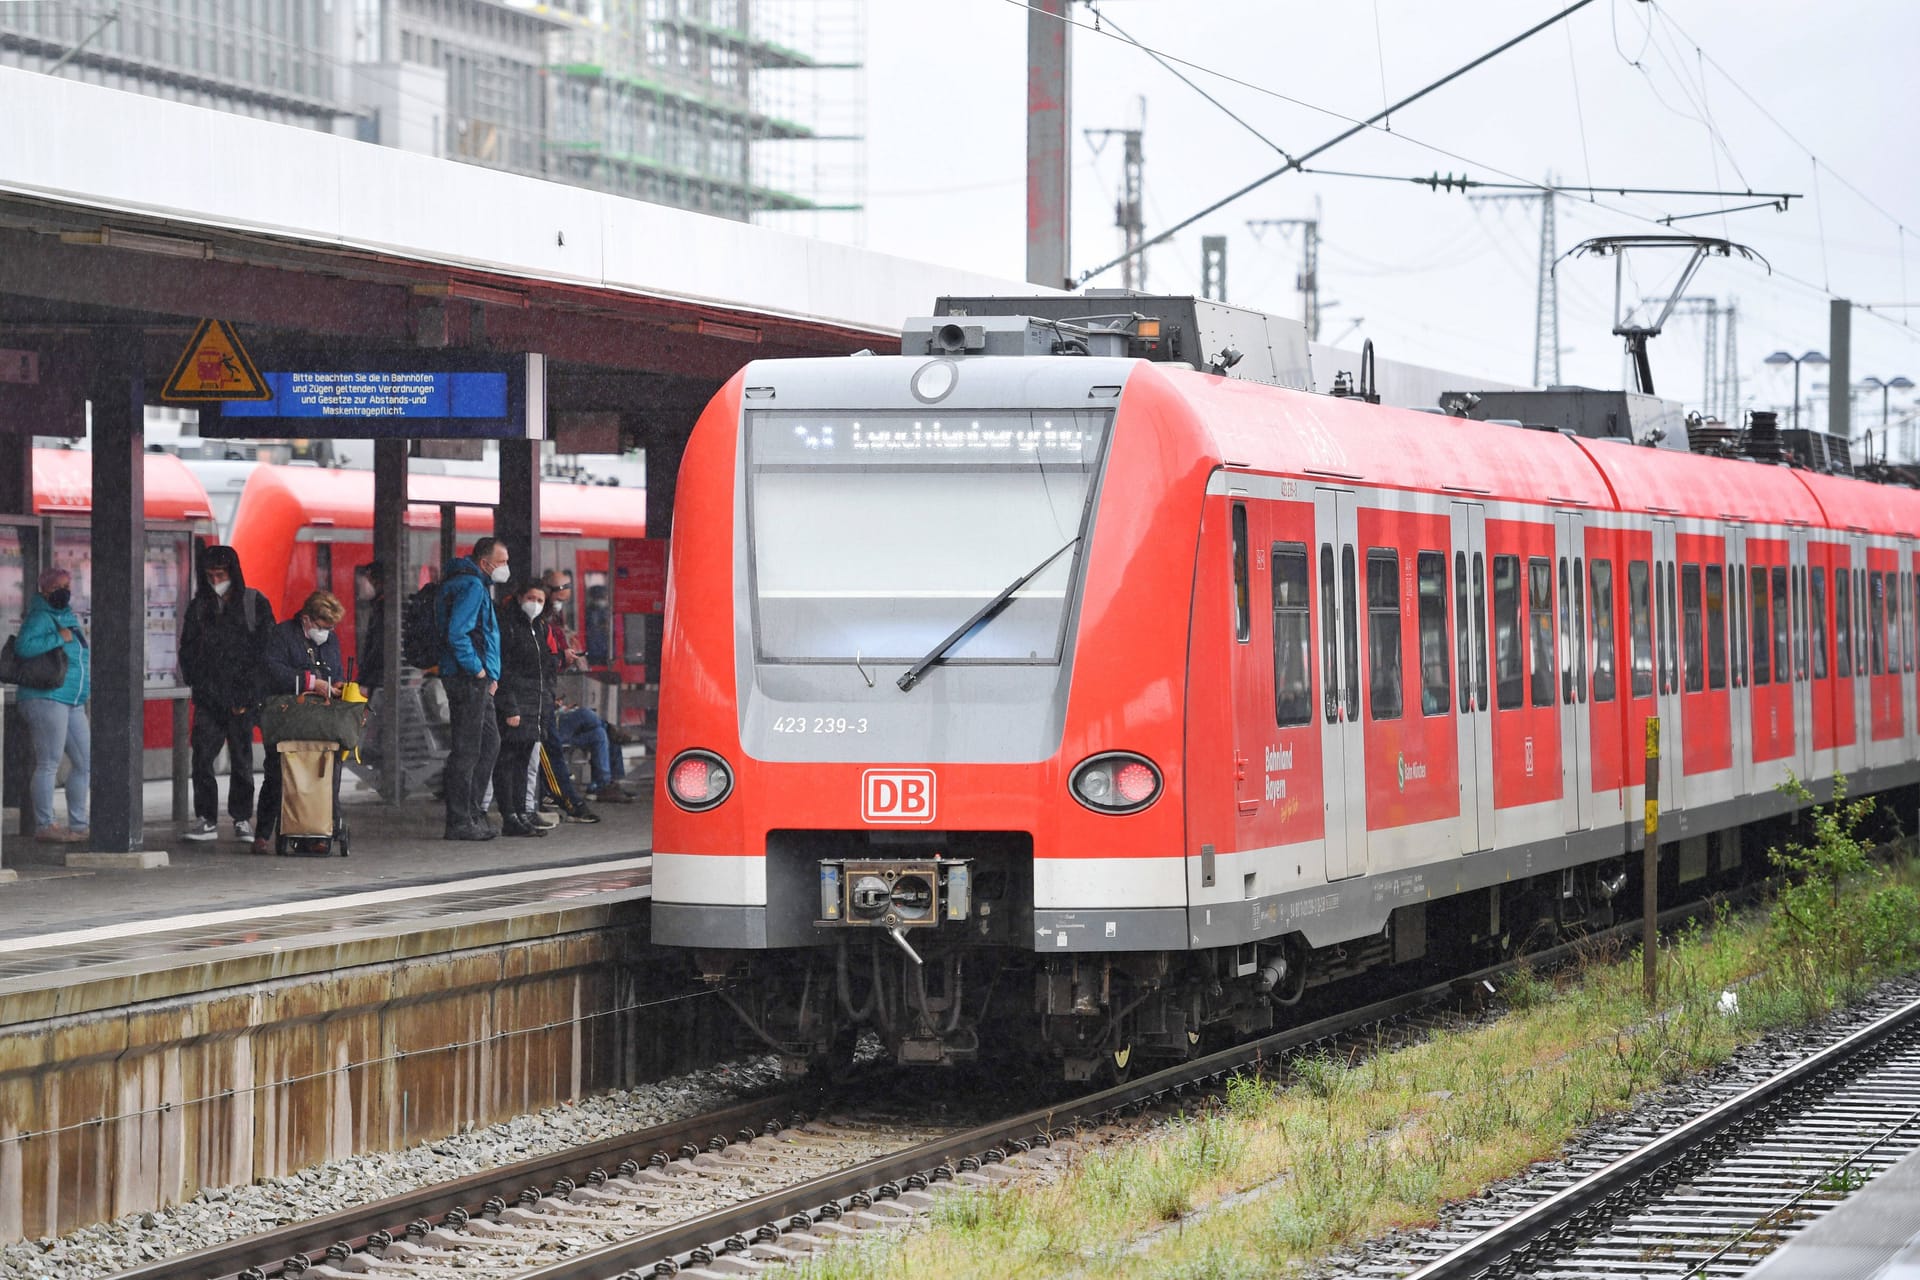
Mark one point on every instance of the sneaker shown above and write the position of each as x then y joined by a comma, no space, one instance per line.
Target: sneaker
202,829
242,829
59,835
610,794
582,814
546,821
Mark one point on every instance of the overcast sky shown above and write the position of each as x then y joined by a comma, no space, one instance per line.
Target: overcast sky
1623,93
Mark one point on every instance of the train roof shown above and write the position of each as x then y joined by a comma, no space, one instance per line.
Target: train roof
1851,503
1295,432
344,499
1669,482
63,485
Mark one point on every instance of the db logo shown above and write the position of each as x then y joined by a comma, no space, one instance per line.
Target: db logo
896,795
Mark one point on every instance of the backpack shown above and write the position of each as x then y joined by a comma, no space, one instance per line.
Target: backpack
420,630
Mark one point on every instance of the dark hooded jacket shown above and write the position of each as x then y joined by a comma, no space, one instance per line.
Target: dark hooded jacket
526,680
223,639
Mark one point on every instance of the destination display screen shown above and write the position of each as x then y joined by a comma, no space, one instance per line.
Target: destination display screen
968,440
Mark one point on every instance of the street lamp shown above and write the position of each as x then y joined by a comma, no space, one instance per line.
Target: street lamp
1811,357
1899,383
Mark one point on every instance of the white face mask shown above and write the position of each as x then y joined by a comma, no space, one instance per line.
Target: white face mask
221,588
533,609
500,573
319,634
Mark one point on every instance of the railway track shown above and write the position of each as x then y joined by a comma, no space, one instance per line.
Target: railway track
766,1180
1714,1195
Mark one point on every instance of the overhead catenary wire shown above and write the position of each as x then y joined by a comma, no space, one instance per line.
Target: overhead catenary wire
1341,137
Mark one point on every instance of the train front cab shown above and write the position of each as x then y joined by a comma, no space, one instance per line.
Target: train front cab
827,552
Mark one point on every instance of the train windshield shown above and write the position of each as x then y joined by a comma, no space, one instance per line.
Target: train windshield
875,535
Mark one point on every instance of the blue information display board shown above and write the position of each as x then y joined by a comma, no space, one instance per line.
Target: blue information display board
377,394
438,403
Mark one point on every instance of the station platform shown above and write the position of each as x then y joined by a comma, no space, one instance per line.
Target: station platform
1873,1233
228,1016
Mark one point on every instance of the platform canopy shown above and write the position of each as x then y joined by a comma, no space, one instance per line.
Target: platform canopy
121,208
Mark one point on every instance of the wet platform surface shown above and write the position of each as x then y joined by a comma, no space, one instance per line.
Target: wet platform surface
1875,1232
74,940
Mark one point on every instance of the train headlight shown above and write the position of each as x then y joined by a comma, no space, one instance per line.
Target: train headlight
699,780
1117,782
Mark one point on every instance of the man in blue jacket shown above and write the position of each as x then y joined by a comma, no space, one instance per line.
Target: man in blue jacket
470,671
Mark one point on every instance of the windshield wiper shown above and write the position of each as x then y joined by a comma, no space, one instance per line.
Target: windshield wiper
987,610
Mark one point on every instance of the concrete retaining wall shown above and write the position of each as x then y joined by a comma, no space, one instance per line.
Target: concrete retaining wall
123,1095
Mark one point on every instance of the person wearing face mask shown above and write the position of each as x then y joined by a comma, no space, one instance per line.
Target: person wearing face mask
526,687
57,717
221,641
301,655
469,631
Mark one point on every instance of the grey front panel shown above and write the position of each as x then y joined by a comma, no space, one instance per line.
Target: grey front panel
1110,929
692,924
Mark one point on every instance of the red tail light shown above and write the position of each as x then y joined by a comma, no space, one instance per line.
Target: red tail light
1117,782
699,780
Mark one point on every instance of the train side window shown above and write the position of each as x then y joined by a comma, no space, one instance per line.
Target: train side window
1292,636
1817,619
1383,633
1673,632
1716,628
1350,633
1480,612
1580,627
1462,633
1907,616
1509,666
1782,628
1762,648
1893,624
1738,577
1540,614
1436,687
1693,627
1329,636
1242,606
1602,571
1660,623
1877,621
1842,623
1566,639
1736,627
1860,622
1799,622
1640,628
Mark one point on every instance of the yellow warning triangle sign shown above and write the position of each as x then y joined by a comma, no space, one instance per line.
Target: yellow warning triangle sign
215,367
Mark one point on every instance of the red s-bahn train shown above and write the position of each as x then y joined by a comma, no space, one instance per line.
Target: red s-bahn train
1082,702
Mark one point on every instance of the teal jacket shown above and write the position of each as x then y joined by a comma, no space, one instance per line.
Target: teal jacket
39,634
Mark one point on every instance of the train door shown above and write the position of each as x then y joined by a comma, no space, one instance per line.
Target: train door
1740,715
1802,668
1666,648
1336,529
1905,578
1470,675
1576,728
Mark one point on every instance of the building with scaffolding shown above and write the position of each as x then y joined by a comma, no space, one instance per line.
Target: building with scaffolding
748,109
